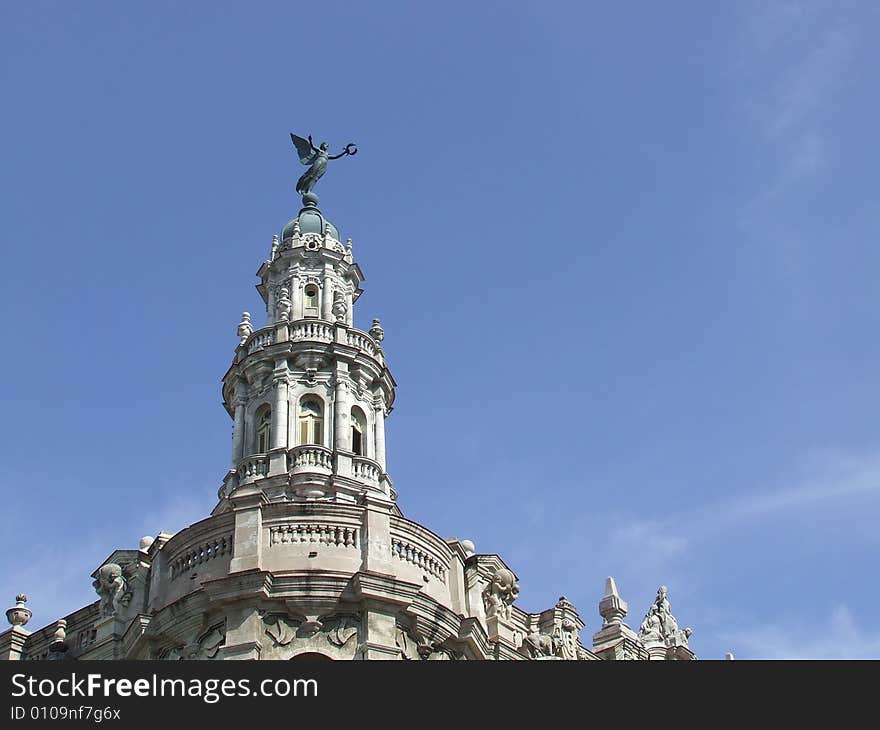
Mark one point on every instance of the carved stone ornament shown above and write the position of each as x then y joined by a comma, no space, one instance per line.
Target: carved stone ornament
111,584
659,625
376,331
562,643
340,306
245,328
413,647
337,634
500,593
19,614
283,306
206,646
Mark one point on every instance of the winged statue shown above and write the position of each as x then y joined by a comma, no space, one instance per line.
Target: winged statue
317,159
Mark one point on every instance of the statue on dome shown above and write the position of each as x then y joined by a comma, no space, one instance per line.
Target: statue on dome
316,158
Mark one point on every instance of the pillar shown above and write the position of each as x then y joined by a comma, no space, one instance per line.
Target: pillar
379,427
327,297
278,457
239,402
341,417
296,298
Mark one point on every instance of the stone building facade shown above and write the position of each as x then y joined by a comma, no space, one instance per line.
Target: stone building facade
307,554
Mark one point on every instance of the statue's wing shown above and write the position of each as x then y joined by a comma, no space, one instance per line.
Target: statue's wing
303,149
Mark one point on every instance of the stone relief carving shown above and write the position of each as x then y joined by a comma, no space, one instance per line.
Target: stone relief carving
500,593
660,626
415,648
206,646
312,241
562,643
111,584
537,644
289,635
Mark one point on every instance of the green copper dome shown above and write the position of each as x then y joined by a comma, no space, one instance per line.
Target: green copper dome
311,220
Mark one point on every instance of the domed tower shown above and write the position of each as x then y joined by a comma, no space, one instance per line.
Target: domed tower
308,392
307,553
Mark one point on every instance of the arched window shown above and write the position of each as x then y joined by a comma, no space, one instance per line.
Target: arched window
310,300
311,421
358,432
264,429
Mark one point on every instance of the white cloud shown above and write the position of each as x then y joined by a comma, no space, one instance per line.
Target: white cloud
840,638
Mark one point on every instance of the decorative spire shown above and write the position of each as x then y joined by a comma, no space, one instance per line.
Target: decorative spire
19,614
612,608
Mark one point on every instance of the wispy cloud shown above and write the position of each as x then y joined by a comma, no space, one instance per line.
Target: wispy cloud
840,638
829,479
792,59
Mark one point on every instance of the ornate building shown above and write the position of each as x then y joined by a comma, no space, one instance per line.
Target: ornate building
307,554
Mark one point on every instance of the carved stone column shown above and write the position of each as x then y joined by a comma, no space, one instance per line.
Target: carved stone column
327,296
238,426
296,295
278,453
341,416
379,433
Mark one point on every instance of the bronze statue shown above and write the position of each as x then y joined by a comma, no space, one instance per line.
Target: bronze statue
317,158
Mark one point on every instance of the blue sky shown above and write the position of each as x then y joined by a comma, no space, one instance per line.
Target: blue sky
625,256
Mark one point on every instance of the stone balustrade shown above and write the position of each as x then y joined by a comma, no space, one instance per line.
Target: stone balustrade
413,544
260,339
318,533
311,330
309,459
314,330
362,341
365,469
200,553
252,468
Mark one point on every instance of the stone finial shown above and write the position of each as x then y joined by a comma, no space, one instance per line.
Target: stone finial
60,631
145,542
612,608
275,246
245,328
59,640
19,614
348,246
376,331
468,547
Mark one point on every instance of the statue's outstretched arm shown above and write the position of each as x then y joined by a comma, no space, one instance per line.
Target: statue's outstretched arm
312,144
350,149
